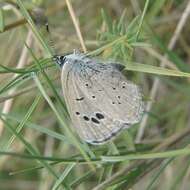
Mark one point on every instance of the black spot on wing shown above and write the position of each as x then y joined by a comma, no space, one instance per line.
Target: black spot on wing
99,116
95,120
80,99
77,113
86,118
123,84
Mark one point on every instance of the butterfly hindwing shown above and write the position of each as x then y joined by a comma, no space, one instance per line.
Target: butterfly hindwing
108,88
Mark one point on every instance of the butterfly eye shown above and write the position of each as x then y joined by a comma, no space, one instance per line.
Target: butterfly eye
60,60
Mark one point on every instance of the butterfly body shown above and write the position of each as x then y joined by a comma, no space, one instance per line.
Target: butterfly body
100,100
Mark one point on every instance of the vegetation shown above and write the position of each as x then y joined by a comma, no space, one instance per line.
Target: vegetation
38,147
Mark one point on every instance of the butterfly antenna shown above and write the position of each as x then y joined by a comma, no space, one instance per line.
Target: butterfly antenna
41,21
50,40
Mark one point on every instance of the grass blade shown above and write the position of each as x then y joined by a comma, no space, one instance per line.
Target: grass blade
155,70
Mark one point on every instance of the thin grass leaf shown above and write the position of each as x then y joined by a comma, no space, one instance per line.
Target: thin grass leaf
23,122
106,19
155,9
27,70
142,19
16,82
108,169
34,168
99,50
81,179
132,25
121,21
63,176
65,161
161,169
155,70
166,154
178,179
181,88
24,76
44,130
171,54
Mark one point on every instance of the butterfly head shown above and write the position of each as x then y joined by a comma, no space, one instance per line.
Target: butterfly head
72,57
59,59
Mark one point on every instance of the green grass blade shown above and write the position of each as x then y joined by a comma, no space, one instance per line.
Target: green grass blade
82,178
44,130
66,161
63,176
155,70
142,18
163,166
23,122
166,154
155,9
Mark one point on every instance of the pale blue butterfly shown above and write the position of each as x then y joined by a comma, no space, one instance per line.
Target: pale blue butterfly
100,100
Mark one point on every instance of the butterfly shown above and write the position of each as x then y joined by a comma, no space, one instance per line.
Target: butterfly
100,100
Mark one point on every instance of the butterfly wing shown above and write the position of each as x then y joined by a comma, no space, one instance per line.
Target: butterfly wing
99,99
125,99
